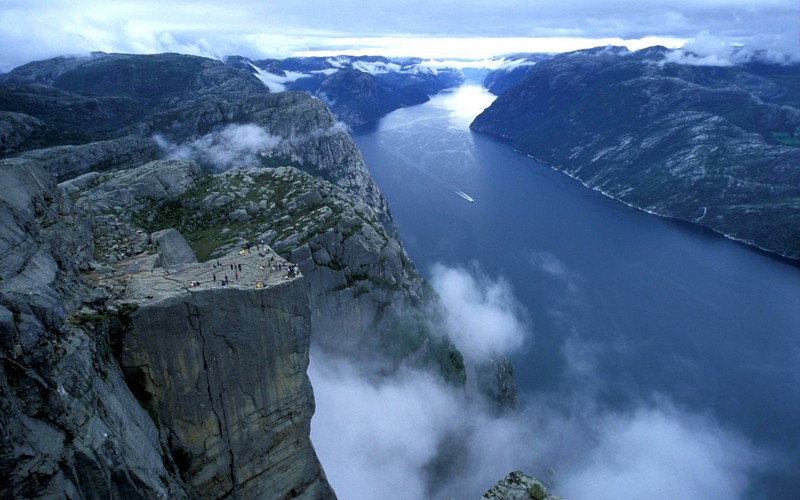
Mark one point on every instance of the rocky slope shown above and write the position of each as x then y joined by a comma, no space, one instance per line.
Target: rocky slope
717,146
126,370
518,486
70,426
511,71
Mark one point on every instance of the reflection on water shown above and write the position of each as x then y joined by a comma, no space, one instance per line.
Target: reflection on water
463,104
635,307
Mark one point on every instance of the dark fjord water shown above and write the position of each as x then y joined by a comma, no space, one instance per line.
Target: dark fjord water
641,306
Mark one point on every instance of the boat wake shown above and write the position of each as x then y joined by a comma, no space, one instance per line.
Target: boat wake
464,195
408,161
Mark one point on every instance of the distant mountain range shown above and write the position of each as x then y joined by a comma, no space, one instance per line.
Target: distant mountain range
717,146
358,90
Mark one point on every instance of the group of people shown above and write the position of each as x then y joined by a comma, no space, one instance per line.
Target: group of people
236,268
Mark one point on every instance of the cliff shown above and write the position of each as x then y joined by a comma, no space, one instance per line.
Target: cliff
157,380
716,146
70,426
224,368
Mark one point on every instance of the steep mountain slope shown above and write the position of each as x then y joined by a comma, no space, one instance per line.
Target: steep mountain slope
70,426
513,69
713,145
127,367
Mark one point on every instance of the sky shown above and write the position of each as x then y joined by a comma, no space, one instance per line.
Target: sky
423,28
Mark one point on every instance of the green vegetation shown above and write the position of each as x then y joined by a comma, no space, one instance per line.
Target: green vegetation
537,492
87,319
413,338
786,138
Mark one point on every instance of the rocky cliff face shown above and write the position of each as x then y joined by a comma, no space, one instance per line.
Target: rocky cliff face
224,367
70,426
222,370
103,300
518,486
714,146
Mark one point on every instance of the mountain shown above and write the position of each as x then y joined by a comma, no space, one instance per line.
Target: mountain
716,146
511,70
359,90
174,238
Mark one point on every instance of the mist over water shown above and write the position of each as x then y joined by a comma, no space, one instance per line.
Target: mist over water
654,359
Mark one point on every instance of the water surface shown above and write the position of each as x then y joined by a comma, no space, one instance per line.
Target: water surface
650,306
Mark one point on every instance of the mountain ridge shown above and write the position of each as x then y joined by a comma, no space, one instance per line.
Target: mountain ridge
701,144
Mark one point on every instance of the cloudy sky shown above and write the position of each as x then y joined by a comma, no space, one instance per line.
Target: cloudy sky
426,28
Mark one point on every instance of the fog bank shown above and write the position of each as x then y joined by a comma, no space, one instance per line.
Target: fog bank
393,435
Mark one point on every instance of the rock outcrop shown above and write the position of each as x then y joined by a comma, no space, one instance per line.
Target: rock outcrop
16,129
69,425
130,369
224,368
518,486
66,162
714,146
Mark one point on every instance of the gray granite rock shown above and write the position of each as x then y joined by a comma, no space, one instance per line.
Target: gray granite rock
70,425
172,248
518,486
225,368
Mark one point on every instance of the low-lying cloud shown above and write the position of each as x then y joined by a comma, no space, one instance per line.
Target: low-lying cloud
277,83
410,436
483,316
706,49
660,452
238,146
231,147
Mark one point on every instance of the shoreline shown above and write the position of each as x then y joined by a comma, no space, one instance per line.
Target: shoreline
787,259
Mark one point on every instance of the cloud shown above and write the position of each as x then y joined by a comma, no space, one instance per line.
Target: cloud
410,434
445,28
659,452
706,49
549,264
482,315
277,83
231,147
377,437
237,146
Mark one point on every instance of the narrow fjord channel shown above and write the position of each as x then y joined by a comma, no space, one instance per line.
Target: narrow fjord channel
638,320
